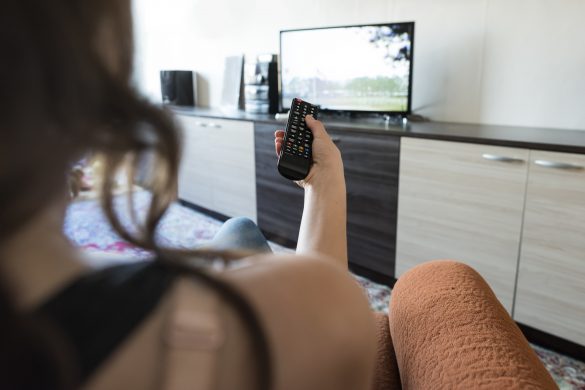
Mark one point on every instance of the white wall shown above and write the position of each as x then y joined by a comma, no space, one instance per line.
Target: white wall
513,62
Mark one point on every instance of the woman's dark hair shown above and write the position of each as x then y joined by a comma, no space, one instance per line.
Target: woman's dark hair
65,91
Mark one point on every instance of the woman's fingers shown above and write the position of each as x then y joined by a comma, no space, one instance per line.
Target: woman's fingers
278,145
316,127
278,140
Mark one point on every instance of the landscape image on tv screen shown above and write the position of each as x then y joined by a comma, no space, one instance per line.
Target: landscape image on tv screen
364,68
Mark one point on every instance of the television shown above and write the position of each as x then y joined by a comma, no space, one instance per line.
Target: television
357,69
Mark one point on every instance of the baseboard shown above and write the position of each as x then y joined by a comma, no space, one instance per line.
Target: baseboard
372,275
211,213
554,343
279,240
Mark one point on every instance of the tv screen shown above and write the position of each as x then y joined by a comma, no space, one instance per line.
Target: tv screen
365,68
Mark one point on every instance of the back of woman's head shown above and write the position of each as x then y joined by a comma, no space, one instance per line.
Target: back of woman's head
65,91
65,72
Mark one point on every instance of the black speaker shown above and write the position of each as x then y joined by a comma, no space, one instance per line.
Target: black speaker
177,87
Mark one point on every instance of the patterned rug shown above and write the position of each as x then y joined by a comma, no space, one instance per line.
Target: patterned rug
87,227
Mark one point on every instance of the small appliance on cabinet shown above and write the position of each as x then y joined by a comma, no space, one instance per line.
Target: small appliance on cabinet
261,84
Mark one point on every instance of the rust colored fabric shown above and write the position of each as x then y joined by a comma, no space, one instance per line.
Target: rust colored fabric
386,375
450,332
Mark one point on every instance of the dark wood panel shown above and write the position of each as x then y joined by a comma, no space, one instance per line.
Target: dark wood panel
371,172
371,165
279,201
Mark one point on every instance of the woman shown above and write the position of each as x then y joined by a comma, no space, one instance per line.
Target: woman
288,322
282,322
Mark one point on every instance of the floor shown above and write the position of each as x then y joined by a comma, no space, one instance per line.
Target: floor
182,227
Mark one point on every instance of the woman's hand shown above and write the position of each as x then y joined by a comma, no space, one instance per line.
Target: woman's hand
327,163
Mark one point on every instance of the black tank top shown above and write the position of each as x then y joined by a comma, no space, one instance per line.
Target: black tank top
94,314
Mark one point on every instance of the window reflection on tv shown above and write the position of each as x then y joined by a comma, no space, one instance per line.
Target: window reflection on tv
358,68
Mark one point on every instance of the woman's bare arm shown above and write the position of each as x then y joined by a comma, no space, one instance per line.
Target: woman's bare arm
323,225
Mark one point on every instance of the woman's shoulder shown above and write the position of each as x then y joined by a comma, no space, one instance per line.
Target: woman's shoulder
316,319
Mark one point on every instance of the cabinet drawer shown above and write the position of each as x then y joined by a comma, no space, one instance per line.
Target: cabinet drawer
194,175
462,202
217,168
551,279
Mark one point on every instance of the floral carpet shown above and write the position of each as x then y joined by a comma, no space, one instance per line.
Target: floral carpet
87,227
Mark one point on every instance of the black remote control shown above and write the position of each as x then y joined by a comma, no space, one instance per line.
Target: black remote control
296,155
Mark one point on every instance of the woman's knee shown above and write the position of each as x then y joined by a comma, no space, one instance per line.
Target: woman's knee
440,283
438,273
446,323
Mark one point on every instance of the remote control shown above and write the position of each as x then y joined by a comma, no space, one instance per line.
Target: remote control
296,156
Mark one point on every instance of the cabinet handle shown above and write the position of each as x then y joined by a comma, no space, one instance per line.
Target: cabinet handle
201,124
336,140
557,165
216,125
495,157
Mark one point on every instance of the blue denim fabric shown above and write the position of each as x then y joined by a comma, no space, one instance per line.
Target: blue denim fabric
239,233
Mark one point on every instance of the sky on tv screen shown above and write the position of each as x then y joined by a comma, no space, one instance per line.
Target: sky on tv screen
348,68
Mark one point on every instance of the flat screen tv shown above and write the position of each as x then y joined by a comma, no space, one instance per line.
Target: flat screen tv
357,69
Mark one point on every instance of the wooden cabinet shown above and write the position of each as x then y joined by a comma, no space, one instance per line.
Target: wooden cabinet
217,170
371,173
462,202
516,216
551,278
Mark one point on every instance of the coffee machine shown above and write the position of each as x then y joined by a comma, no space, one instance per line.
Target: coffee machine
261,84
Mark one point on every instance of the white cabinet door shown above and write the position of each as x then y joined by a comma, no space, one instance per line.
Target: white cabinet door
218,166
234,168
195,175
462,202
551,278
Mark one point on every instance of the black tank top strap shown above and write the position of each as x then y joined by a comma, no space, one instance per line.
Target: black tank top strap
94,314
98,311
